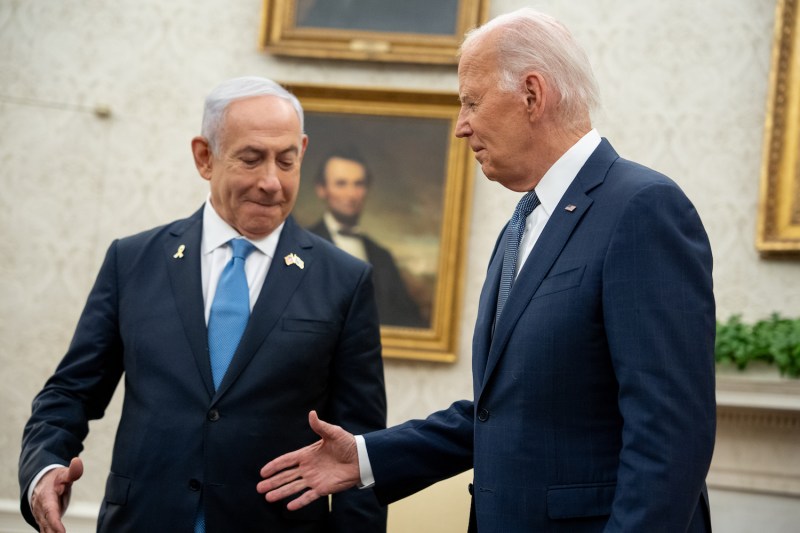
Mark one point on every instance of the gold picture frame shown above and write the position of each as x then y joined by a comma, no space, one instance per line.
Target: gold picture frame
779,205
407,31
419,194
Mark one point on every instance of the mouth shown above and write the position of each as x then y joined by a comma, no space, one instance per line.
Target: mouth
264,203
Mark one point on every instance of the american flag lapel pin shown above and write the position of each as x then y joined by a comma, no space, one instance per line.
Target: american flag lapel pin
570,208
293,259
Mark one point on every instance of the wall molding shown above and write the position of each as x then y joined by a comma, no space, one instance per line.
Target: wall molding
757,450
760,386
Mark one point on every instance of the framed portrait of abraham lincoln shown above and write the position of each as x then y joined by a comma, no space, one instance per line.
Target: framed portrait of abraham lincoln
409,31
385,179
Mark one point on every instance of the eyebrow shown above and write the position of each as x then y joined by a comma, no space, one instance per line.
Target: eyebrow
259,150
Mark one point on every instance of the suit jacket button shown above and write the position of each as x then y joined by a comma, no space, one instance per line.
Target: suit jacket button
194,485
213,415
483,415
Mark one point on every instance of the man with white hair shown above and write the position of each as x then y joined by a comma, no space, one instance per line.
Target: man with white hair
229,326
593,367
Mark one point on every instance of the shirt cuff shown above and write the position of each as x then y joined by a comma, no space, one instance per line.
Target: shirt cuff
364,468
39,476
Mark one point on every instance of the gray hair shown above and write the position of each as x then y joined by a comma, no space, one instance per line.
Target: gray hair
531,40
225,93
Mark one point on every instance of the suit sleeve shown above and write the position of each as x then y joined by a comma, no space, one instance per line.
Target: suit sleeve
416,454
79,390
358,402
659,314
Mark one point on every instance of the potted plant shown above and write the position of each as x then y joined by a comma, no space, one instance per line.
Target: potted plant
774,341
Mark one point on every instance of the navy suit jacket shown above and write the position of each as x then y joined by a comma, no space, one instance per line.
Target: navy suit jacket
594,404
312,342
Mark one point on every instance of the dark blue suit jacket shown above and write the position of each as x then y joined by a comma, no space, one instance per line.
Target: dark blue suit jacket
312,342
594,400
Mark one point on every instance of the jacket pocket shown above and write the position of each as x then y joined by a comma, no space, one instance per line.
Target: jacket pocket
560,282
117,488
580,501
302,325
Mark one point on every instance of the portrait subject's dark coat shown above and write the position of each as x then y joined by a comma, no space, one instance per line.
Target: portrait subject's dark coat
395,305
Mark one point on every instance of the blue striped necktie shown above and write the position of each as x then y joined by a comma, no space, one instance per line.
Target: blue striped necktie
513,237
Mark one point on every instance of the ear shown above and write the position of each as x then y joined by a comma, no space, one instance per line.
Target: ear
202,157
535,95
303,145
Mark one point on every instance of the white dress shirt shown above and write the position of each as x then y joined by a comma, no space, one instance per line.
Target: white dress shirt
550,190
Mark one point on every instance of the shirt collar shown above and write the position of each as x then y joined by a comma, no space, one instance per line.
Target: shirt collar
217,232
558,178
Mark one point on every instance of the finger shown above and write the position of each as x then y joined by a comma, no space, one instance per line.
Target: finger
285,461
303,500
49,518
277,480
290,489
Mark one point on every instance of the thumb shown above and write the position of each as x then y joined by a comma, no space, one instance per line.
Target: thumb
323,429
75,470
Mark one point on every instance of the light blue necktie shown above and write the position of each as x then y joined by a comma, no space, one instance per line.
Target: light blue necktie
230,311
514,234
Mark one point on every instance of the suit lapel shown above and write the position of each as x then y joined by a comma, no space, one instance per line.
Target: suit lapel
182,254
482,337
548,247
280,284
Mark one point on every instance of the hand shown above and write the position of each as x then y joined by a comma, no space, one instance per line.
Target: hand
51,494
326,467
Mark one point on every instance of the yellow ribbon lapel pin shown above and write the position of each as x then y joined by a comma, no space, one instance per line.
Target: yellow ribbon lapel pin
179,253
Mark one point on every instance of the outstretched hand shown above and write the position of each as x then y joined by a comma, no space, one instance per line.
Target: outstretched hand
328,466
51,495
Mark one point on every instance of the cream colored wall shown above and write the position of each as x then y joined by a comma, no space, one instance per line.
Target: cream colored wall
684,87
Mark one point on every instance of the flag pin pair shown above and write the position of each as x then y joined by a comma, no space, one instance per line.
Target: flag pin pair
293,259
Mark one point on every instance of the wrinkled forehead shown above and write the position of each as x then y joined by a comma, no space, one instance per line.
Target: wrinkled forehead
478,59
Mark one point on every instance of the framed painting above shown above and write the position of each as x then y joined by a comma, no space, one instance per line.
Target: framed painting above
409,31
385,179
779,206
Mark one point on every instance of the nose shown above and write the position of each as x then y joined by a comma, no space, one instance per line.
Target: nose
268,181
462,125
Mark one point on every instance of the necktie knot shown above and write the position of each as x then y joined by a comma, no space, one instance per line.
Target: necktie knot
241,248
525,207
